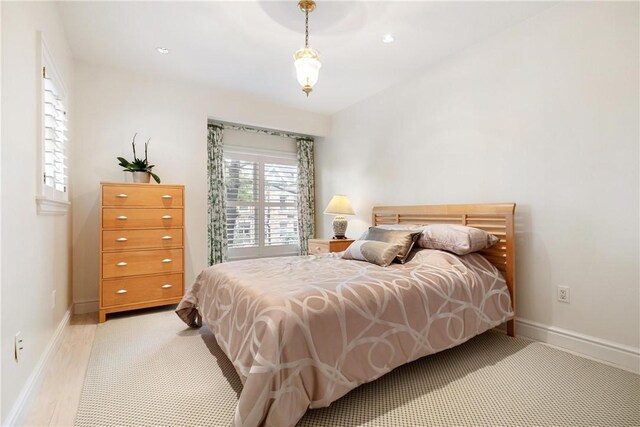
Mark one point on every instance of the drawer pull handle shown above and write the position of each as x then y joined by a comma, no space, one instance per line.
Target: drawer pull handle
122,217
121,291
166,286
166,217
121,239
167,196
167,237
121,196
167,260
121,264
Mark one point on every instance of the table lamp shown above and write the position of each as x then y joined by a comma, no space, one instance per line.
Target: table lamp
339,206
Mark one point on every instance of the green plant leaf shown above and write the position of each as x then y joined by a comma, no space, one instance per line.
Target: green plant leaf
155,177
123,162
139,164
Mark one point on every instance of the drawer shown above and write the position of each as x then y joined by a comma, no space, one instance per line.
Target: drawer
149,195
318,248
134,290
144,218
121,264
114,240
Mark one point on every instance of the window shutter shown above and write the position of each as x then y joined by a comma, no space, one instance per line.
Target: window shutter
52,197
262,214
55,137
242,181
280,212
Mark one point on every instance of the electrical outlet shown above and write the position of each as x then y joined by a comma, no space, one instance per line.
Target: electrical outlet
18,346
563,294
53,299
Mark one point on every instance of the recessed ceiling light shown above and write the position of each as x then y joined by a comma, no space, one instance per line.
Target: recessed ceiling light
388,38
162,50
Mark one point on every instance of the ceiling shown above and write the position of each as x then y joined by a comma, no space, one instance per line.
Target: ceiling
248,46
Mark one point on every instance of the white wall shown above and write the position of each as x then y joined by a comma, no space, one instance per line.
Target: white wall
1,180
35,249
111,106
544,114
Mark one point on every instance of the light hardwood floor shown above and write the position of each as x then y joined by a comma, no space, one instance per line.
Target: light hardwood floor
56,402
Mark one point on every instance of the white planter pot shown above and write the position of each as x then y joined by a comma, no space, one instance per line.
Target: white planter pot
143,177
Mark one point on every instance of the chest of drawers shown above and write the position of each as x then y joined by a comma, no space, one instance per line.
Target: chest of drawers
141,246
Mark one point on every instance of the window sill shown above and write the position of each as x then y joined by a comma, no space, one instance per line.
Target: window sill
51,207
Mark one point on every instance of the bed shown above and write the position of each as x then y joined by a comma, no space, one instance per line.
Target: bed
303,331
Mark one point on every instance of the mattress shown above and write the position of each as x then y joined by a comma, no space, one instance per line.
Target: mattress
303,331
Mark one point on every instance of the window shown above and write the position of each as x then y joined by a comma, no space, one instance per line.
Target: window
262,217
54,195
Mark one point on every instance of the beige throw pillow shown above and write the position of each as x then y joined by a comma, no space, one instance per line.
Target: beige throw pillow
372,251
403,238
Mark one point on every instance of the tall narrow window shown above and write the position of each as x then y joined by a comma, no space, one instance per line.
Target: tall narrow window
54,195
55,136
262,218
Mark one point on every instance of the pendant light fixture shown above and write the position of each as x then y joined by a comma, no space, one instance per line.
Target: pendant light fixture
307,59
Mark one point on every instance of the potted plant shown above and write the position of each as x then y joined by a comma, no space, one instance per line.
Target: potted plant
141,169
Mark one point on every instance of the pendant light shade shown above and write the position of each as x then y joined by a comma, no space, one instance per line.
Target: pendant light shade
307,68
307,59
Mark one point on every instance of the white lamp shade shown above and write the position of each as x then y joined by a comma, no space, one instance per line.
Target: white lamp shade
307,66
339,205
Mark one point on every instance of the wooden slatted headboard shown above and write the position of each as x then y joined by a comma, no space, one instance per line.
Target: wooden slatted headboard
496,219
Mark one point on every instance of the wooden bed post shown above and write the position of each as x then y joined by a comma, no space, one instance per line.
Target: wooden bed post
510,274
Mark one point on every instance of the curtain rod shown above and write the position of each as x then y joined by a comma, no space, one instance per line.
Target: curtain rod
262,131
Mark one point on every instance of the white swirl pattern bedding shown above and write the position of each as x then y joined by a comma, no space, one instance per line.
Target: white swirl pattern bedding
303,331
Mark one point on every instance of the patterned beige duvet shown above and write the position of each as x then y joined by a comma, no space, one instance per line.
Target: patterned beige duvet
303,331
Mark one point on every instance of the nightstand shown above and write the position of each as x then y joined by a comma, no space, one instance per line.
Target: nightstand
324,246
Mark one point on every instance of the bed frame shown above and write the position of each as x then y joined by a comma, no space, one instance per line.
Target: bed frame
497,219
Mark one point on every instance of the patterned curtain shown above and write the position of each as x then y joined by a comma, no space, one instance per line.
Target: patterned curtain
306,198
217,196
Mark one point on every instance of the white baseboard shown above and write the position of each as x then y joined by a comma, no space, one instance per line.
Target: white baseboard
82,307
620,355
17,413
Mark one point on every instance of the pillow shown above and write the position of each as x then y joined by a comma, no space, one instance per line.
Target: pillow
380,253
403,238
459,239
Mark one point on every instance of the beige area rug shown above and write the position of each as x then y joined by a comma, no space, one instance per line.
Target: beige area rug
151,370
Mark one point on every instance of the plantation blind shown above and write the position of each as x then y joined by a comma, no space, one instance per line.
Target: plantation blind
280,213
262,219
242,181
55,157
